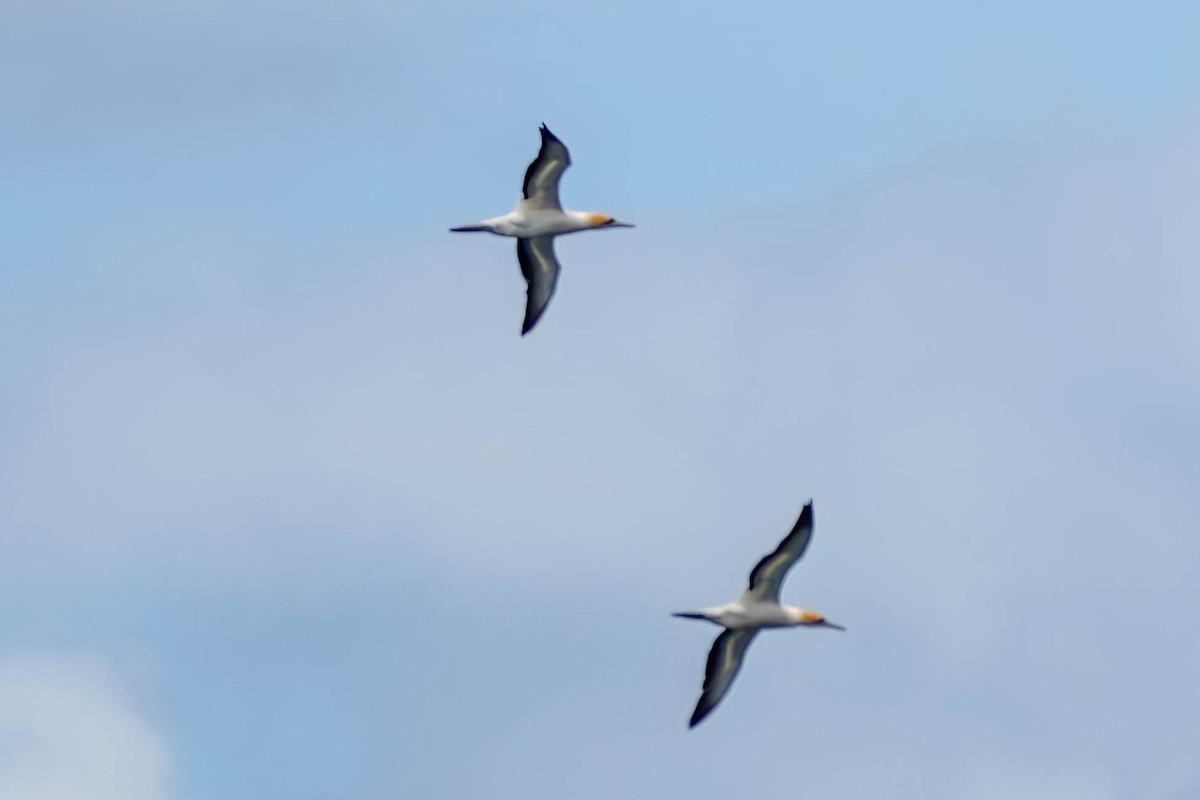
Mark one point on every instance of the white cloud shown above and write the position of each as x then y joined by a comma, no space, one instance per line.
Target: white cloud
70,731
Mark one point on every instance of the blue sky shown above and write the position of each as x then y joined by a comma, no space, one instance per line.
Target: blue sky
289,509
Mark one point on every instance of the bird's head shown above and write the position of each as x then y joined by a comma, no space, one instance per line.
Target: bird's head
812,619
598,220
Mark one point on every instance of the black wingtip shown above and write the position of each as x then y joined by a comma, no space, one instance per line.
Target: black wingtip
806,516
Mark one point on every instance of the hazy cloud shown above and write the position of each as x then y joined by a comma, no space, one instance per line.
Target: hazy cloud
70,731
981,368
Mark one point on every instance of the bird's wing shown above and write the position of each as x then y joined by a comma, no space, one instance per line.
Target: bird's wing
542,176
766,578
540,268
724,661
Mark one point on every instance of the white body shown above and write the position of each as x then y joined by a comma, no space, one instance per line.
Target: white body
528,220
748,612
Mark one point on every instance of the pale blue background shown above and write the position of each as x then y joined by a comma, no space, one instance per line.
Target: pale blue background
288,509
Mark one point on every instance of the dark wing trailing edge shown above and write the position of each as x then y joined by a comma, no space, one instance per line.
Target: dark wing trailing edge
767,576
544,173
540,268
724,661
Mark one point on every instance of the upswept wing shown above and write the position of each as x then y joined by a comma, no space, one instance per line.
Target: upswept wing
724,661
541,178
540,268
766,578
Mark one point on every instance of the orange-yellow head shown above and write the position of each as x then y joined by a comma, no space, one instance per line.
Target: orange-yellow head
598,220
815,620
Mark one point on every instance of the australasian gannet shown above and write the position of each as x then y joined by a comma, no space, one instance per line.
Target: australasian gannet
757,608
536,220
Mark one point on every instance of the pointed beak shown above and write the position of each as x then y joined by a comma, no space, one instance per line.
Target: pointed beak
828,624
615,224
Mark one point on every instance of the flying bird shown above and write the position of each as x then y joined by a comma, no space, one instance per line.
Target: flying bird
536,220
757,608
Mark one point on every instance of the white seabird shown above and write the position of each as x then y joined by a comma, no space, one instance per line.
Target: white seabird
757,608
536,220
